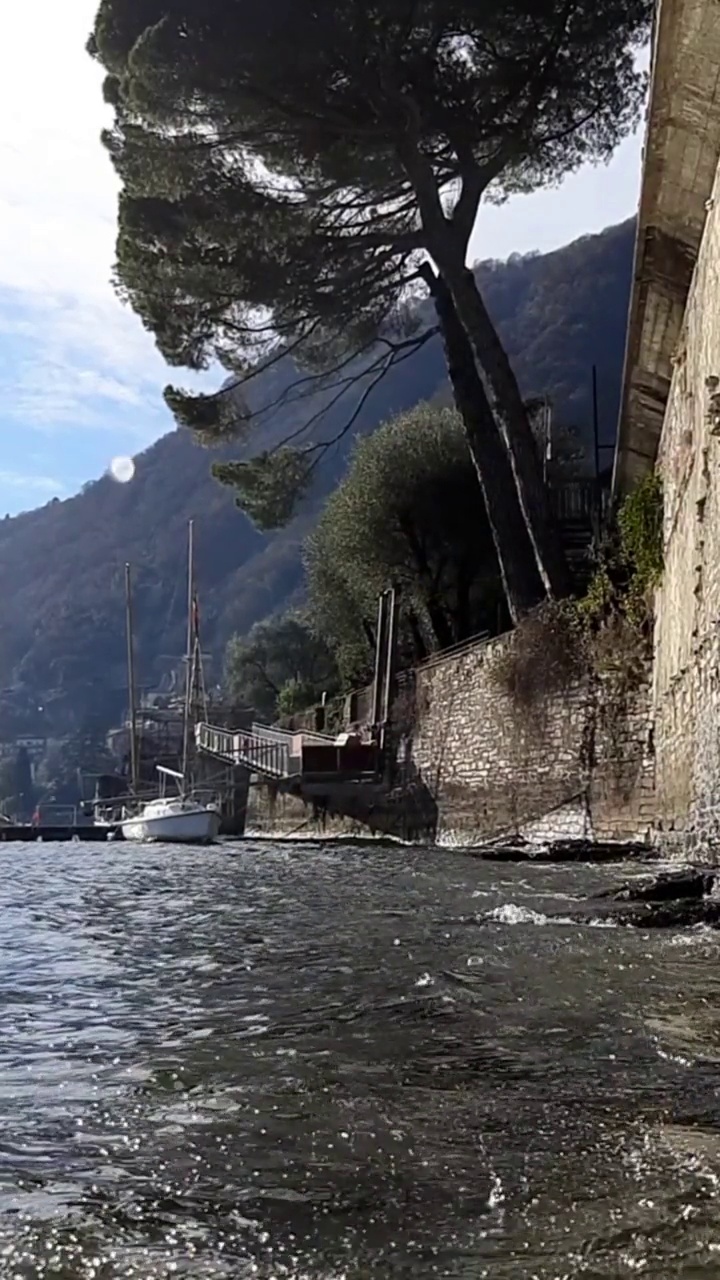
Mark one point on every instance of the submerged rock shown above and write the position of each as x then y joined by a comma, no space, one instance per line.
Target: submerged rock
566,851
668,886
671,900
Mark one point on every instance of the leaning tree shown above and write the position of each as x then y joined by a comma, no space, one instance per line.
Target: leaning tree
193,265
397,118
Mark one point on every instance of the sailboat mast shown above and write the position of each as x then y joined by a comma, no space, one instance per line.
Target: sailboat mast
131,680
188,655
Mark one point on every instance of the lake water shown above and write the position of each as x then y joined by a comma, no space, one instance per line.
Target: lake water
329,1061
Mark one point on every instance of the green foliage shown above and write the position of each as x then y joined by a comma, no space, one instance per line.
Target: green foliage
24,785
17,789
62,635
607,633
83,750
408,513
296,695
277,663
268,485
546,654
630,564
212,418
204,92
285,171
640,527
600,596
343,610
7,784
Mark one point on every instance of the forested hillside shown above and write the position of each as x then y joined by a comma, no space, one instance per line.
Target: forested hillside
61,567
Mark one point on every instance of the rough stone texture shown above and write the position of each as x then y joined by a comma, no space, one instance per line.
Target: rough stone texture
687,630
270,812
682,145
567,767
474,766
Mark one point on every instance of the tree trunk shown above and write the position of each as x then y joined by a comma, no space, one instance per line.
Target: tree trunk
460,616
439,624
446,242
419,646
520,578
503,395
369,633
438,621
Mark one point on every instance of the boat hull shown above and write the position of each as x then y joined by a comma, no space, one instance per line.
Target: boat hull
198,827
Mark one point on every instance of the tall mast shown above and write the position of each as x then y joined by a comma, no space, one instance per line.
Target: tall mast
188,656
131,681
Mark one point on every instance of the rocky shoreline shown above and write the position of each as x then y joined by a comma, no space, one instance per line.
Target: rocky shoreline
678,899
560,851
673,900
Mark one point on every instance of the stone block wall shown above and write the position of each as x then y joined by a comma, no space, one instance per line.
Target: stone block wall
271,812
473,765
573,764
687,630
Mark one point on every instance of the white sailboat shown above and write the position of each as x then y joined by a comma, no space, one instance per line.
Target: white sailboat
175,819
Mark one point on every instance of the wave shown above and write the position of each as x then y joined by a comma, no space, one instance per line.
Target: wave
513,914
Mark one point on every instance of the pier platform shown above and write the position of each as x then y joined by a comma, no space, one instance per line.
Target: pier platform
26,833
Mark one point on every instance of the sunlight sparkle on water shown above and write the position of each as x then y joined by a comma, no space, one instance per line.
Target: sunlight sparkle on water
122,469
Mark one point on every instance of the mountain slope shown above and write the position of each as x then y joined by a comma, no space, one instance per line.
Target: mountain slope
61,567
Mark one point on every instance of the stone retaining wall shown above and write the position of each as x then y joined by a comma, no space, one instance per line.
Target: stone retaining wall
473,765
687,630
569,765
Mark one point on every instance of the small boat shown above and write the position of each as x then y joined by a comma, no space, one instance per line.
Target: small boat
179,819
173,819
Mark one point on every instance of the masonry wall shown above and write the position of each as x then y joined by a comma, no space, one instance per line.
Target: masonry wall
472,765
687,632
572,764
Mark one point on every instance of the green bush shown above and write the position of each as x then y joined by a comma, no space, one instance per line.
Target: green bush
640,530
630,564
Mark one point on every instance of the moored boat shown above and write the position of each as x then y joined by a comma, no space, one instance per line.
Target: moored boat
181,818
174,820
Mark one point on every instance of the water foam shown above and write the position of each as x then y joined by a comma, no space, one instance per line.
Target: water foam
512,913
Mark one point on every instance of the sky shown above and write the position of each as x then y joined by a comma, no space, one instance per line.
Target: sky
80,379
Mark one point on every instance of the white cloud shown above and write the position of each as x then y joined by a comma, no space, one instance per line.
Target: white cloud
57,188
30,481
82,352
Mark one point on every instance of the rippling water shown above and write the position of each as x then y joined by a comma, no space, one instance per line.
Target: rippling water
325,1061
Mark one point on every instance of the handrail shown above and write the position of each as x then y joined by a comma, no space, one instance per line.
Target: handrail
477,642
276,733
243,747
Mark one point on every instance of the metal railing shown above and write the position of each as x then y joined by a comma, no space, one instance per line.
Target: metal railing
215,742
576,499
257,753
275,733
62,815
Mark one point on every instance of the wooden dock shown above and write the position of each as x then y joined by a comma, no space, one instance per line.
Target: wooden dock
26,833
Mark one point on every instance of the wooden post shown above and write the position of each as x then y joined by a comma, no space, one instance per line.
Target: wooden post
391,642
380,652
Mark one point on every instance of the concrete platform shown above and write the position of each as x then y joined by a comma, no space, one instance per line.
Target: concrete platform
25,833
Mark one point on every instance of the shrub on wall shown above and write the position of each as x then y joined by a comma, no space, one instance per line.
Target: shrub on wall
604,636
630,562
640,529
546,655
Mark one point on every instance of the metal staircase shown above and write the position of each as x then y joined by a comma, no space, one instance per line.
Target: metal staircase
579,508
263,749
